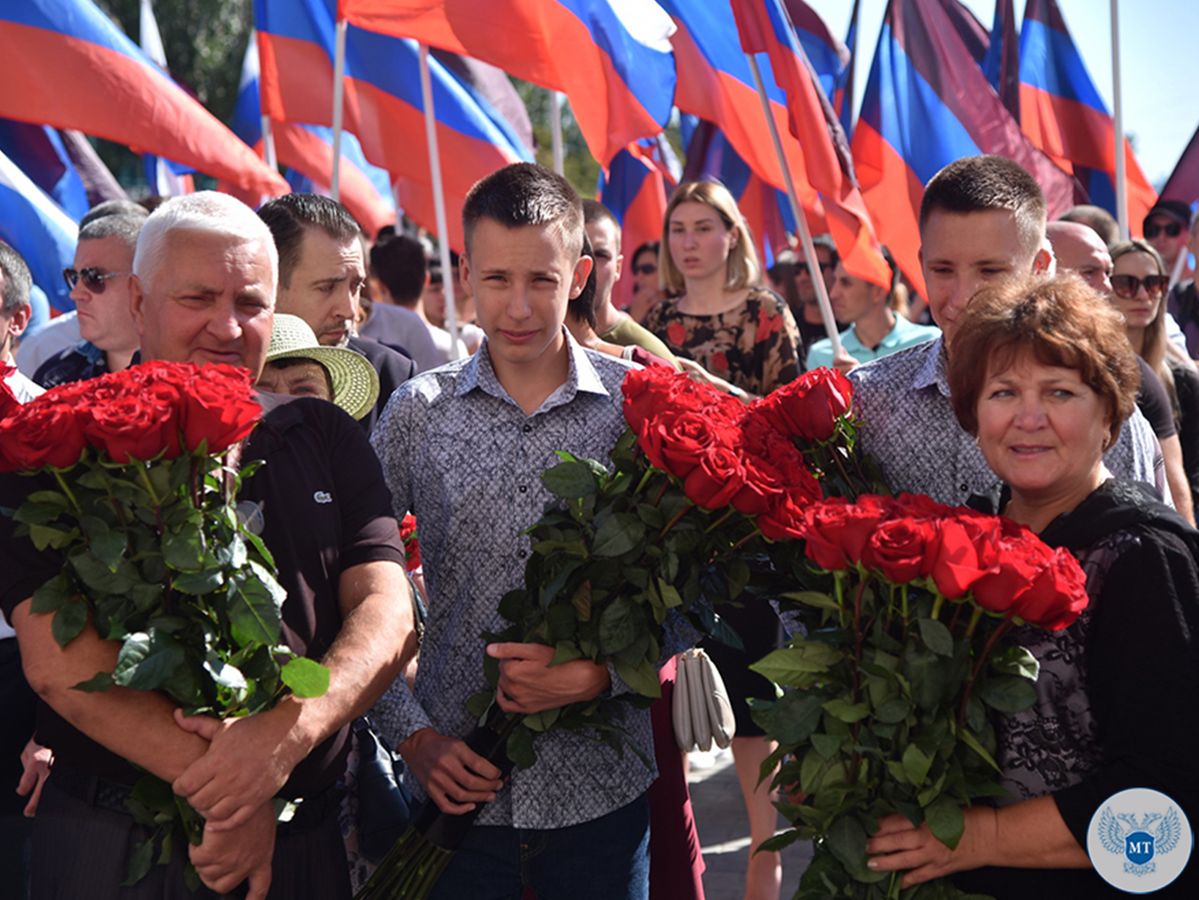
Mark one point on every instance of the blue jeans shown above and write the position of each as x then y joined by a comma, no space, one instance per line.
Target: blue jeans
604,859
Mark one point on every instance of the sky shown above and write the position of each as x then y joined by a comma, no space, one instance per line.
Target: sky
1159,41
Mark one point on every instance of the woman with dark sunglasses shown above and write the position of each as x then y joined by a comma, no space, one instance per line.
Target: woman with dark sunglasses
1139,282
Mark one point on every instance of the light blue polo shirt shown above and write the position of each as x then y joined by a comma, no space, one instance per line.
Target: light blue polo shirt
904,334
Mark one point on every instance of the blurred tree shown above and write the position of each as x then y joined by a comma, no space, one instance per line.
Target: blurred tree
204,41
578,165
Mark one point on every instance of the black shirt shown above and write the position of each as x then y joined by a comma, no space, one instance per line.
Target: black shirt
1154,402
325,508
79,363
394,369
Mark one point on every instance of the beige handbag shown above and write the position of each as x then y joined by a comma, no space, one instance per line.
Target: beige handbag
700,708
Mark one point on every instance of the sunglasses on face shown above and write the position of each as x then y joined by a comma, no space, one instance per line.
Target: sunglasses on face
93,279
645,269
1127,286
1171,229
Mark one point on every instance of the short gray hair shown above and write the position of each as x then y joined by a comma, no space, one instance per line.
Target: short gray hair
207,212
127,228
17,280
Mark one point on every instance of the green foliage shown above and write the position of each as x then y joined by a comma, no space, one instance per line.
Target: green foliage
884,713
158,561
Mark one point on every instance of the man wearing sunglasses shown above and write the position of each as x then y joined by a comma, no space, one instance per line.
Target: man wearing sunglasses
1183,302
99,283
1165,228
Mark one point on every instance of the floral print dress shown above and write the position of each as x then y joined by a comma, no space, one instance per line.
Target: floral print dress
751,346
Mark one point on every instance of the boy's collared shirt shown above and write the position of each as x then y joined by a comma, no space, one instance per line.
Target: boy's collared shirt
461,454
904,334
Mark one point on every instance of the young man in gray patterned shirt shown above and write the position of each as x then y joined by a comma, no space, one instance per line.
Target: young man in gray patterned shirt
982,219
463,447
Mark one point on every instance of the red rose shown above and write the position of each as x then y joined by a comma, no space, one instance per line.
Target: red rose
965,549
786,520
1022,556
897,548
713,483
43,432
1057,596
135,427
837,531
408,535
808,407
683,439
921,506
762,483
219,408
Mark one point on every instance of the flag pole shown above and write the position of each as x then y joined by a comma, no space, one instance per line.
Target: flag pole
268,143
801,223
443,232
556,129
339,71
1118,109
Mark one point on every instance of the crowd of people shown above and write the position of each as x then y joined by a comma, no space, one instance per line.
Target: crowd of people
1048,375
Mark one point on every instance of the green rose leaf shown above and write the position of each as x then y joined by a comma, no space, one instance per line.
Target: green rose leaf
670,594
140,860
98,683
52,594
847,841
620,625
183,550
844,711
565,651
641,677
935,636
147,662
44,536
893,710
97,576
946,821
617,533
1008,693
224,674
570,480
916,764
791,665
32,512
816,599
520,747
198,583
973,743
1016,661
254,607
306,677
68,621
827,745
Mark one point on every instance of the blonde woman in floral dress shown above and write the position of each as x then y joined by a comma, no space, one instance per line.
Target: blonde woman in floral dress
719,315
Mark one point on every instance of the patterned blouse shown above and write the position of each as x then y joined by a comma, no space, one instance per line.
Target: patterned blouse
751,346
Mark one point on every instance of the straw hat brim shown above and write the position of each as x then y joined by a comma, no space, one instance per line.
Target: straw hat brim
355,381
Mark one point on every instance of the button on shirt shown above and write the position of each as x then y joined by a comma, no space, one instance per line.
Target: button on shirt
459,453
910,428
904,334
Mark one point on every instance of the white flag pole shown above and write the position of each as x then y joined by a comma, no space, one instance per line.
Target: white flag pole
339,71
268,144
1118,110
805,236
556,99
443,232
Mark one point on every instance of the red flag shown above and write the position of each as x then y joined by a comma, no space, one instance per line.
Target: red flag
765,28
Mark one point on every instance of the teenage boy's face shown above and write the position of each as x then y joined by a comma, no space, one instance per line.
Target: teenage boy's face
962,253
521,280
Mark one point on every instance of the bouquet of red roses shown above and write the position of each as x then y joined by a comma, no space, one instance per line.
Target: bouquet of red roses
693,491
901,661
138,494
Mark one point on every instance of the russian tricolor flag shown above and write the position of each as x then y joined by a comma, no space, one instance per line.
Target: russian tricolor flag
1063,114
611,59
37,229
927,103
64,63
39,152
635,188
383,105
365,190
765,28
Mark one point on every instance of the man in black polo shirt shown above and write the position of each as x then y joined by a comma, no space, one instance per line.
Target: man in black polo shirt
204,292
321,274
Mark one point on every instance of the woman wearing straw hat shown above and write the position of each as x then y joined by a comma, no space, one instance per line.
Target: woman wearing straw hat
299,366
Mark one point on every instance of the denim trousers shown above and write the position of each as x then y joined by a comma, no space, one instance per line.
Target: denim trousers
604,859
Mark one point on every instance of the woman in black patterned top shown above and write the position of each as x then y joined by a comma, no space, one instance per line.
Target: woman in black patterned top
718,313
1044,379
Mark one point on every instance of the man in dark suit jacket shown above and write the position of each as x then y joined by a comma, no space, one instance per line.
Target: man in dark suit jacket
321,274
